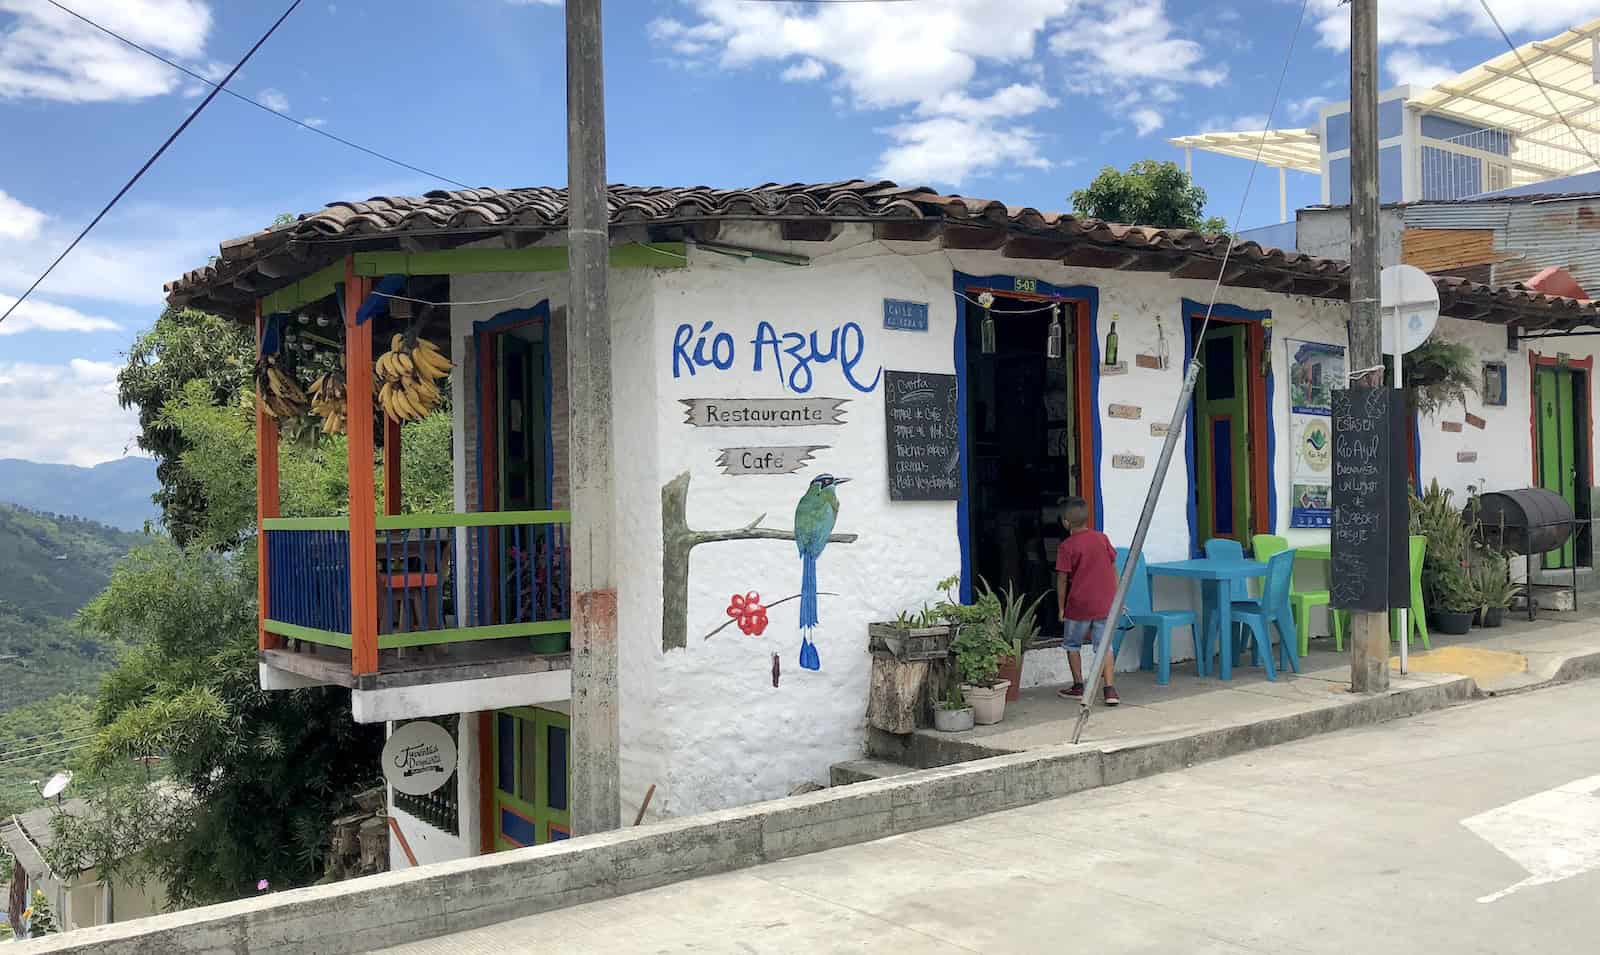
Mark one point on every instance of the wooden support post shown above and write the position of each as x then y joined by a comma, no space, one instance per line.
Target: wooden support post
267,499
363,507
391,465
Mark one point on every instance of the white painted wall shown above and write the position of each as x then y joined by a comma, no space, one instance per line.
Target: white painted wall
705,724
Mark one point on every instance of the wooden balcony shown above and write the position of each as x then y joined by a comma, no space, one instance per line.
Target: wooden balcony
454,597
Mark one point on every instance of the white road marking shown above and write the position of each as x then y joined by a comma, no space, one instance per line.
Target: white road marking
1554,835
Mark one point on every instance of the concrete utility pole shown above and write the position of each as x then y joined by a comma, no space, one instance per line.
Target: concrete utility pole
596,805
1369,639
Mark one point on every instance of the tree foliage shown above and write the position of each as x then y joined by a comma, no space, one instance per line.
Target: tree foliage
183,347
1149,193
248,782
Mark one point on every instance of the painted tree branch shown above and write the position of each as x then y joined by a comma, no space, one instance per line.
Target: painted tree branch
678,539
733,620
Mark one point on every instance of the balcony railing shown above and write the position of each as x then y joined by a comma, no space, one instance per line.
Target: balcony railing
441,579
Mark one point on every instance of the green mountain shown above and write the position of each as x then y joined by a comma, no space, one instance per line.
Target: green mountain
115,493
50,566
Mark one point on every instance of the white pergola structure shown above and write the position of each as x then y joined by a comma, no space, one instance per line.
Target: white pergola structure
1528,115
1283,149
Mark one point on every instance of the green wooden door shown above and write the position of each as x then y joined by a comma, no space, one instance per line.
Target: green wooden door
1558,446
530,777
1221,436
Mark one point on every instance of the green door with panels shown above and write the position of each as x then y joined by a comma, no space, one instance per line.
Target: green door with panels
531,777
1221,436
1556,395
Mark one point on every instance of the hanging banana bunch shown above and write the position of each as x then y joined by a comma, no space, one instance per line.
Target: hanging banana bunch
408,375
281,395
329,401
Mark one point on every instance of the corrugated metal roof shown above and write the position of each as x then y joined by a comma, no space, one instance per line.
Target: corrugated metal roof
1448,215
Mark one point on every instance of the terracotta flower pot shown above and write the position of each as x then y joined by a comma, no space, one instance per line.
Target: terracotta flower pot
1011,672
988,702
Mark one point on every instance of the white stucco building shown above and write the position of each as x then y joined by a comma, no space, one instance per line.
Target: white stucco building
762,339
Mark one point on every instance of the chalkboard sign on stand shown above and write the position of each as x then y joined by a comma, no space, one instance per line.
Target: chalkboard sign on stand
1369,568
920,413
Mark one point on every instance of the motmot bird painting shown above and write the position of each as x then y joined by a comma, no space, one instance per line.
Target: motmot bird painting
814,518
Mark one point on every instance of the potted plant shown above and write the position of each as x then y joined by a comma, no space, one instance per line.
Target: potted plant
978,650
1439,373
952,714
1447,584
912,635
1018,626
1495,588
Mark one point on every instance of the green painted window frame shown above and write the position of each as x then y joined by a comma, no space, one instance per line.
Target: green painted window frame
538,721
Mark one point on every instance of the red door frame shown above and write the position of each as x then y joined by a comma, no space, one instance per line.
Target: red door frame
1585,365
1083,399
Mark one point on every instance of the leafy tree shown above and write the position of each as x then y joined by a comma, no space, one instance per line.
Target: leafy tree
248,781
183,347
1150,193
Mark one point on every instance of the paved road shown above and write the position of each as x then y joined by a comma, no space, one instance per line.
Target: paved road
1370,841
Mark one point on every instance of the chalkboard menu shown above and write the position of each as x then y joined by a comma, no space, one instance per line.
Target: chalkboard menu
921,418
1369,566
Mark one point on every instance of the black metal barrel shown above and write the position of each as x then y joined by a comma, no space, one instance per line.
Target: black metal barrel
1528,520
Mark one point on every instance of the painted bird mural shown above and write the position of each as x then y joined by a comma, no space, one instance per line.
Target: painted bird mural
814,517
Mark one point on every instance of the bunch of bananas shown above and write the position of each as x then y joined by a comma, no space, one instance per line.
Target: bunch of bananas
281,395
409,372
328,401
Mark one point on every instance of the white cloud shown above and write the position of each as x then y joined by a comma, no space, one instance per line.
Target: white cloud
944,63
36,315
1247,123
1128,45
1409,66
1307,109
63,413
948,149
47,54
805,71
1430,22
273,99
1146,121
534,3
18,220
315,122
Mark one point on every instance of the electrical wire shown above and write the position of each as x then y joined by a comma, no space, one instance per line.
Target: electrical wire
44,746
261,106
294,4
53,755
1535,81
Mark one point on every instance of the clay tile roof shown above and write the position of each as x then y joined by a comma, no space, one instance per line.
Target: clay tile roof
241,272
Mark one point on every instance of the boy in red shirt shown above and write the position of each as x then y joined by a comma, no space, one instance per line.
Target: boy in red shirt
1086,582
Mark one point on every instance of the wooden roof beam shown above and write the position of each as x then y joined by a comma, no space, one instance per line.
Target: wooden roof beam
1095,257
809,230
983,238
917,230
1033,247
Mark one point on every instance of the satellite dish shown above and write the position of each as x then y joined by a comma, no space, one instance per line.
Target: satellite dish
1408,294
56,785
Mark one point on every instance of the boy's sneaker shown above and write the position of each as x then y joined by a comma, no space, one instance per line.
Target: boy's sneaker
1111,696
1073,692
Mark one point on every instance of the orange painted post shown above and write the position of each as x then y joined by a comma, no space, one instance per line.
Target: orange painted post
363,504
267,500
391,465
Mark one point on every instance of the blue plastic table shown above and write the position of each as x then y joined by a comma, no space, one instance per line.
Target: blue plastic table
1216,579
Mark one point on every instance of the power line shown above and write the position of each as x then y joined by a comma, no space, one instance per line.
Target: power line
261,106
1535,80
43,746
152,160
52,755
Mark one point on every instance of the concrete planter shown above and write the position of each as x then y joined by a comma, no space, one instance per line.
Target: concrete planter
988,702
952,721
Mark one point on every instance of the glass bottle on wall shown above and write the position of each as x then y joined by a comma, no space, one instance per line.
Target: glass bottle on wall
1111,343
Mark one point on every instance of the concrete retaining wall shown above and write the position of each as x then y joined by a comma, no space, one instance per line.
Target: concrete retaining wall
396,907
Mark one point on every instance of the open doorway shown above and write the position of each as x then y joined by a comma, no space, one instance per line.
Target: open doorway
1562,425
1230,439
1028,436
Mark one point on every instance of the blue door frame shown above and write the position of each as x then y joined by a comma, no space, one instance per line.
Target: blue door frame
1087,299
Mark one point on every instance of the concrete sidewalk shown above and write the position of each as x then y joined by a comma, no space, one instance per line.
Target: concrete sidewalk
1019,762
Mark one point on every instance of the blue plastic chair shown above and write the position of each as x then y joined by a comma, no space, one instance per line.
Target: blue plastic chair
1157,624
1221,548
1271,608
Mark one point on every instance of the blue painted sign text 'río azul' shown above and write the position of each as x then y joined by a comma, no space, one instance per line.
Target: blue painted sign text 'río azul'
792,356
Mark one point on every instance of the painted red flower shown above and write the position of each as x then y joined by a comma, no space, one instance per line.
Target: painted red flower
747,610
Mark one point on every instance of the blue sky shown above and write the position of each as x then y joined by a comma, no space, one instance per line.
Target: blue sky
1021,100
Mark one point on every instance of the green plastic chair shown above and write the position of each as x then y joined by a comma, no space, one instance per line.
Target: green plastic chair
1419,611
1265,546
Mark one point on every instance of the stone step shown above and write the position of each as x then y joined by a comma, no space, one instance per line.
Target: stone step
861,770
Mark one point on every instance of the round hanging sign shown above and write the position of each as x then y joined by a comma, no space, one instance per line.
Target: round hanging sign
419,757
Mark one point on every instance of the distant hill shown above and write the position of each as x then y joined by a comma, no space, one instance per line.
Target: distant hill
115,493
50,566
